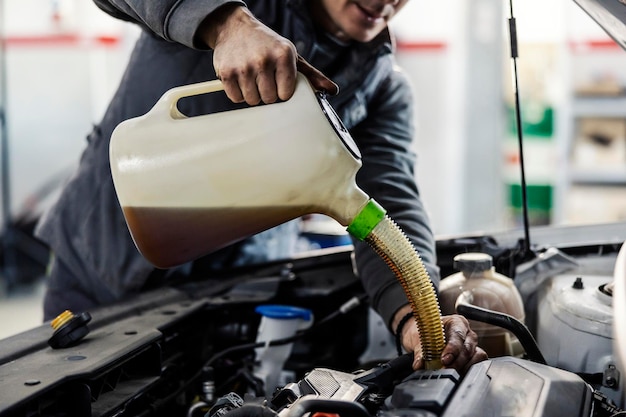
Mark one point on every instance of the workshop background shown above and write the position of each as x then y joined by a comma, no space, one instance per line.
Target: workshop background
61,60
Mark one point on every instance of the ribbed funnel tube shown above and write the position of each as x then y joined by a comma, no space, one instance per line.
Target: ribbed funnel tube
392,245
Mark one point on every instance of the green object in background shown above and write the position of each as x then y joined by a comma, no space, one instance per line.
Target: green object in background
537,120
538,134
539,202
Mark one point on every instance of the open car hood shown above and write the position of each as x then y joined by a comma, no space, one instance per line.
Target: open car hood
610,15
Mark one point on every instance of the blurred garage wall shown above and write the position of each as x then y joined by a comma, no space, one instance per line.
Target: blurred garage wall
61,61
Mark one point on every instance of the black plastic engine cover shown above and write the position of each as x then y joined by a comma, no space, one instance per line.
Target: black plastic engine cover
514,387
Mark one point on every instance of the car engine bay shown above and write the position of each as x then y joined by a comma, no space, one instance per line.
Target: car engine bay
191,349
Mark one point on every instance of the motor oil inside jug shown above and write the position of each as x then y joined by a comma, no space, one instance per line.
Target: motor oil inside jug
191,185
490,290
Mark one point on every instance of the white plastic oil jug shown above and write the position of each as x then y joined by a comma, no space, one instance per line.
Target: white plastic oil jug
191,185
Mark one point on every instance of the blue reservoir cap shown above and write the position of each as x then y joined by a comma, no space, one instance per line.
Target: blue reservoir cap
276,311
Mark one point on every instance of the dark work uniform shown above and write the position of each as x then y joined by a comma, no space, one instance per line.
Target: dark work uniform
96,262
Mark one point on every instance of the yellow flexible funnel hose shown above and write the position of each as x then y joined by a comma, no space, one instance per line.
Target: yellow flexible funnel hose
392,245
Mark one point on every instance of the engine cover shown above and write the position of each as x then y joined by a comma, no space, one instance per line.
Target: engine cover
514,387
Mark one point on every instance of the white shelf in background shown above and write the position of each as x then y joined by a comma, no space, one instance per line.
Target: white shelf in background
605,106
613,176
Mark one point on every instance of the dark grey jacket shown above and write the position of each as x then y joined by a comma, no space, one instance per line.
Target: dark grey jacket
86,228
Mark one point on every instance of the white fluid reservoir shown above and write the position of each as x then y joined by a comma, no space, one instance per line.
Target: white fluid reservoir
277,322
575,328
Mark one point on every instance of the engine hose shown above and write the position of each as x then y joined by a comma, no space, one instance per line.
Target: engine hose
465,307
312,405
251,410
345,308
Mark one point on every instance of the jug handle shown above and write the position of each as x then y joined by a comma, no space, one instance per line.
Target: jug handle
170,99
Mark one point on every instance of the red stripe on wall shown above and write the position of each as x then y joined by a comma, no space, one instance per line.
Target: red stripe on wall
420,46
110,40
56,40
594,45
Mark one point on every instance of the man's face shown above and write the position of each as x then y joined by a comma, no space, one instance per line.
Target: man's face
359,20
